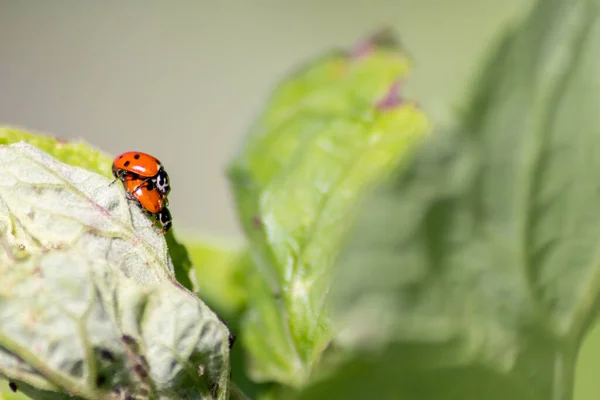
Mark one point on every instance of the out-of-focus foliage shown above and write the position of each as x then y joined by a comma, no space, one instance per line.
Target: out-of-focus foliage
474,274
328,133
220,274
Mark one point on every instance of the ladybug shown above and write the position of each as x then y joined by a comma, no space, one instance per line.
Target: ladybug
149,199
143,166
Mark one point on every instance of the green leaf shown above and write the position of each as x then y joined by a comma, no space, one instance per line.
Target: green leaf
80,154
181,261
475,273
329,132
6,393
77,154
220,273
88,299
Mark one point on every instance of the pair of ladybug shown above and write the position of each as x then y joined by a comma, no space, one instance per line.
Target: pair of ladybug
146,182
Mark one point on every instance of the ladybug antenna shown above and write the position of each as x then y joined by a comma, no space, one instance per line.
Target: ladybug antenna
110,184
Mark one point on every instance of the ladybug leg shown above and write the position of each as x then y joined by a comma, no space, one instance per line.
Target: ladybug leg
119,176
131,197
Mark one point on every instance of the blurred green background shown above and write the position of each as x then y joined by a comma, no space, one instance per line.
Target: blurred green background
183,80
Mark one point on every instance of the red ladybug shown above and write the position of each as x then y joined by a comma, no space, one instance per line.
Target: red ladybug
149,199
144,166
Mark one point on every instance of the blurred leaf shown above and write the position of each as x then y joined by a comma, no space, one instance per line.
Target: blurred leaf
221,280
587,386
80,154
329,132
88,300
475,273
220,274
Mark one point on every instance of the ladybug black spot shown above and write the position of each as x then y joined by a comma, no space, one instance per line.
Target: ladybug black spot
137,156
126,163
120,157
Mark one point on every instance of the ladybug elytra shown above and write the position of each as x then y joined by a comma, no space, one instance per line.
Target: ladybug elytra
146,182
144,166
146,194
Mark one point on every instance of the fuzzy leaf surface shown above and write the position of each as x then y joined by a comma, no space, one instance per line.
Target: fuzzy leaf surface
89,305
80,154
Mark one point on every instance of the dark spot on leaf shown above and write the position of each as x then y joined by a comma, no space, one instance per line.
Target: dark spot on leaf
392,98
100,380
144,361
141,371
77,368
214,390
128,339
137,156
106,355
232,339
257,222
13,386
126,163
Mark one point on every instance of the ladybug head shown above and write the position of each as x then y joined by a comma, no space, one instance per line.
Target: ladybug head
162,182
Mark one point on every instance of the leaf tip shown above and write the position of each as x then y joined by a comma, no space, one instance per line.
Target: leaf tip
384,38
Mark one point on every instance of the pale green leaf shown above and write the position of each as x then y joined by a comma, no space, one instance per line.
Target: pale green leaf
80,154
89,304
